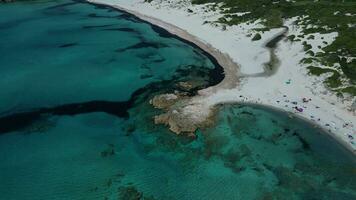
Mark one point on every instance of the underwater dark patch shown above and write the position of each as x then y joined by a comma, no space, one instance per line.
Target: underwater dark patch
62,5
146,76
120,109
67,45
161,32
305,144
94,15
140,45
21,120
247,113
129,17
98,26
217,74
147,55
17,121
130,30
17,22
59,9
159,60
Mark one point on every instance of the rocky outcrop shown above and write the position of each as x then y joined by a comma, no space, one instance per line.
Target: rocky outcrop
185,85
164,101
182,115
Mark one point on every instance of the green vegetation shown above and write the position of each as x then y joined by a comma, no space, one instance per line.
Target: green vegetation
306,46
318,71
256,37
334,80
320,16
350,90
291,37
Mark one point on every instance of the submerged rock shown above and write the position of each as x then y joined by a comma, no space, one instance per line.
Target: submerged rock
129,193
110,151
185,85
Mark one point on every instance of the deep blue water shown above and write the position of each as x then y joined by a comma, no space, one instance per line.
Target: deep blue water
75,122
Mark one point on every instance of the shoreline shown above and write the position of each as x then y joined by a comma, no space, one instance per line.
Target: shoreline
231,69
229,91
341,143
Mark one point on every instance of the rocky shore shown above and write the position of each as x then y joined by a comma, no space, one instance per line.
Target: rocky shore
181,114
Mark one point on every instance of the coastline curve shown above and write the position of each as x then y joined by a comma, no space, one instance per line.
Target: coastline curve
200,107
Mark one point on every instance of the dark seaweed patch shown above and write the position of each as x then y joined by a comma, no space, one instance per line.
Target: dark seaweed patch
120,109
16,22
22,120
130,30
60,9
98,26
305,144
146,55
63,5
159,60
161,32
146,76
109,151
67,45
120,16
94,15
129,17
140,45
216,75
247,113
129,193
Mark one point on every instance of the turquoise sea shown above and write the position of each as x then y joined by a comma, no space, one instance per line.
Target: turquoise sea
75,122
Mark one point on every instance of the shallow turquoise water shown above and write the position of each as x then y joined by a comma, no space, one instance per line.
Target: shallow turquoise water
58,53
65,54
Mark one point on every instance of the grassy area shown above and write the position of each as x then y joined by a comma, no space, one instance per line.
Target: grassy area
323,16
350,90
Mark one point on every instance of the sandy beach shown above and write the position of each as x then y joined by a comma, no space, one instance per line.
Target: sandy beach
289,88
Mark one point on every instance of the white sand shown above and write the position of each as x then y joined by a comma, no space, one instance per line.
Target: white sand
324,109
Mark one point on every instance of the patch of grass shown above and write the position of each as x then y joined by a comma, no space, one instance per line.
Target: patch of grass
311,37
261,29
349,69
318,71
310,52
291,37
308,60
306,46
350,90
333,81
256,37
